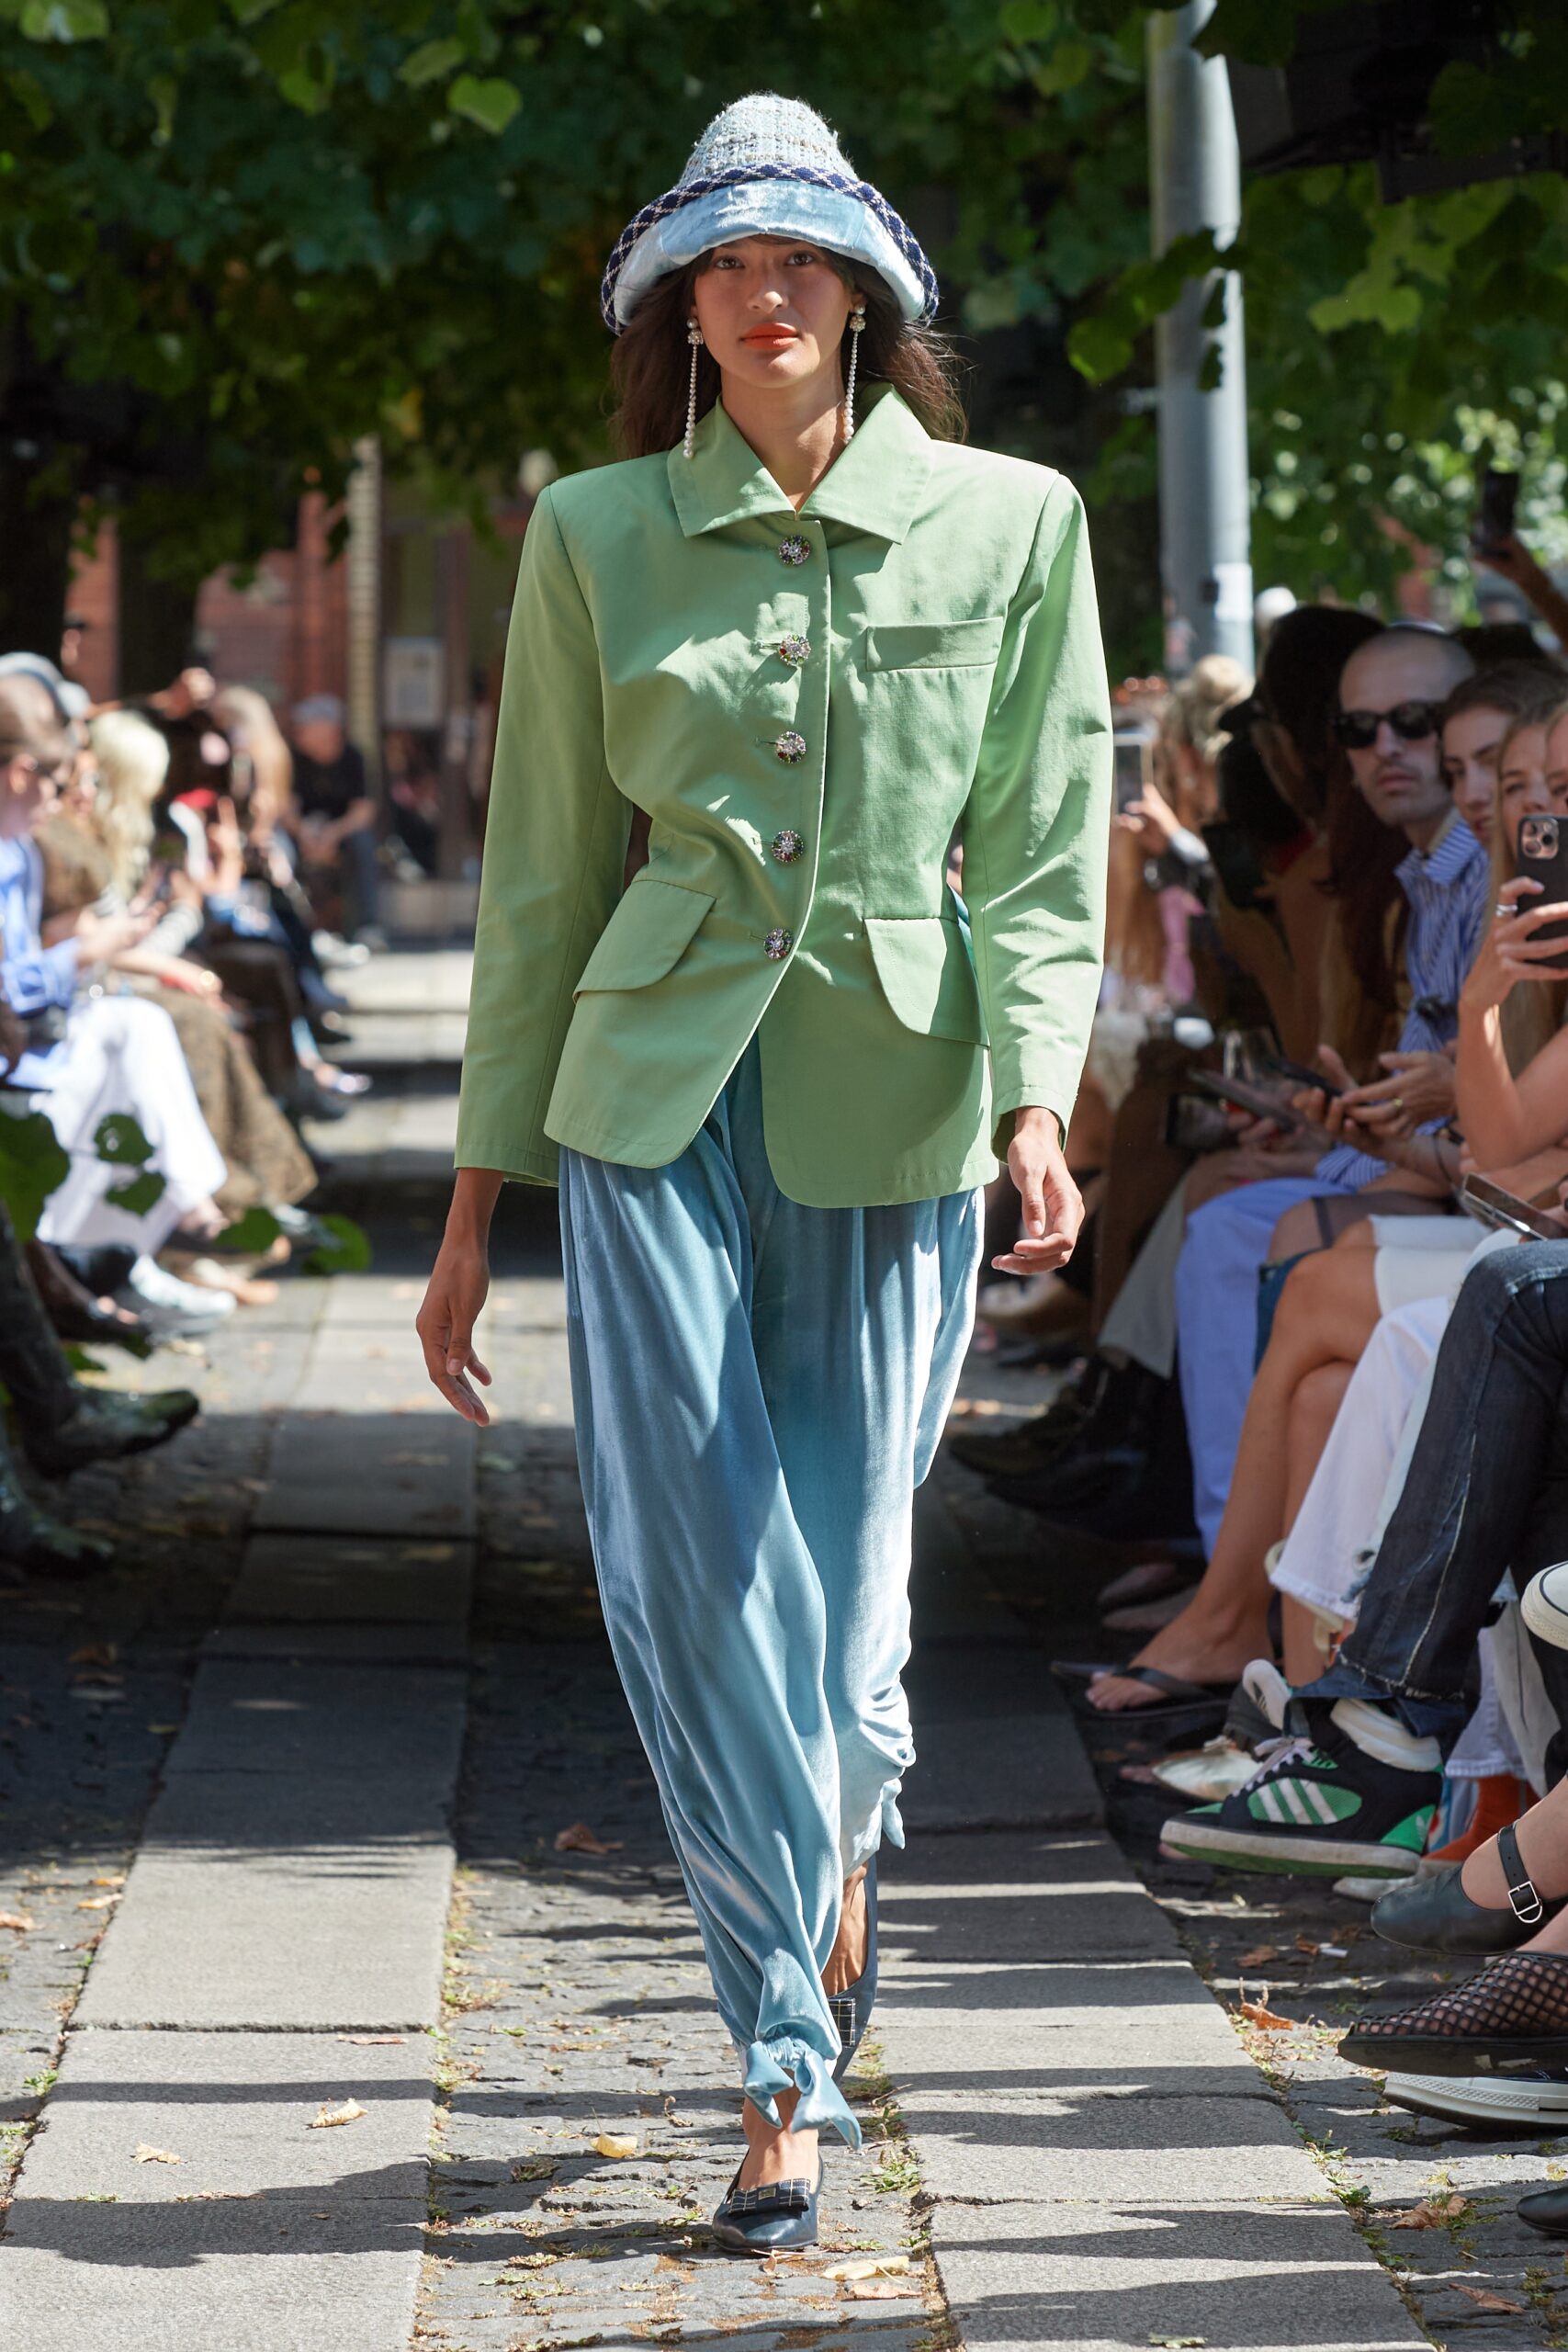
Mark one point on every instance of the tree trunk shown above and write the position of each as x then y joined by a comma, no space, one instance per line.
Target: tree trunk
157,624
36,571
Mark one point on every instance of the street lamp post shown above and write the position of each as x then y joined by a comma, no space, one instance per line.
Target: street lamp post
1195,184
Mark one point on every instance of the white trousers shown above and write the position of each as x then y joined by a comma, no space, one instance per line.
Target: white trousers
122,1055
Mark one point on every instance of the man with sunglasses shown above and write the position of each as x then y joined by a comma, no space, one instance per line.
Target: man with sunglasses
1391,692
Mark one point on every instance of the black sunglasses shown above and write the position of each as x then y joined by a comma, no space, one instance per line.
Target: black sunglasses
1411,721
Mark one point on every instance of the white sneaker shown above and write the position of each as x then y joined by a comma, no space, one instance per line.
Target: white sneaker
338,955
1545,1606
154,1284
1534,2102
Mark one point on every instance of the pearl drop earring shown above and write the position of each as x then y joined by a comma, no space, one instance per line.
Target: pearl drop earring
695,337
857,328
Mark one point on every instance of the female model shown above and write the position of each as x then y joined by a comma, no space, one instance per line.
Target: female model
783,656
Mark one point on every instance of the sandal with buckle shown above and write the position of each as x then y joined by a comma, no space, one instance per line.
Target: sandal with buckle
1433,1913
770,2220
1510,2019
851,2007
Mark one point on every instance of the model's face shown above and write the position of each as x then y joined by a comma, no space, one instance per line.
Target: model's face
1400,779
1470,744
773,311
27,796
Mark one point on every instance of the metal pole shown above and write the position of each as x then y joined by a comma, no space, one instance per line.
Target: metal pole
364,559
1195,183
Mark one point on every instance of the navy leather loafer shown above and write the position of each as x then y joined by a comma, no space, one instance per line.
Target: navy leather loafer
769,2220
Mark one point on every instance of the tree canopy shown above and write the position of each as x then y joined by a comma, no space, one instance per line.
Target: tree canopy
236,235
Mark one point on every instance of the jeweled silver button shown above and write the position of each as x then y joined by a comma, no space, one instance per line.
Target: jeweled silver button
790,748
795,650
786,846
777,943
795,549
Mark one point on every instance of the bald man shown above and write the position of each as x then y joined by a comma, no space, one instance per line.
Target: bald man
1390,694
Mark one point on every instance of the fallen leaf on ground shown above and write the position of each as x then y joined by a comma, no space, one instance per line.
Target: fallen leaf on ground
1305,1944
1432,2213
145,2154
1485,2301
1171,2342
880,2291
578,1838
538,2168
618,2145
325,2116
1265,2019
97,1903
372,2041
109,1878
873,2266
531,2261
1259,1956
21,1921
96,1654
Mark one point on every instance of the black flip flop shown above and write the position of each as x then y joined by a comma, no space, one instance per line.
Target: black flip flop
1185,1703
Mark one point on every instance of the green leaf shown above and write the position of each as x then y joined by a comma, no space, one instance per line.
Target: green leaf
257,1230
65,20
430,60
142,1192
1211,372
251,12
492,104
1261,32
32,1165
1067,65
121,1141
1099,348
164,92
348,1252
302,89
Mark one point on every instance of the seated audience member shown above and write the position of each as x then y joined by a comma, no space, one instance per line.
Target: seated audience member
1332,1300
1391,694
89,1058
335,816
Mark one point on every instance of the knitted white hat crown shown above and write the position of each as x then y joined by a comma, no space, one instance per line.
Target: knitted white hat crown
767,166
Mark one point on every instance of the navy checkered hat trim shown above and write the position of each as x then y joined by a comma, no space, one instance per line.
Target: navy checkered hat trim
676,198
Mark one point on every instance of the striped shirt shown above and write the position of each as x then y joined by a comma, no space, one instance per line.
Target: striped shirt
1450,890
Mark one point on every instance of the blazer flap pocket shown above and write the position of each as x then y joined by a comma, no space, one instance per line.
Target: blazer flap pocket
934,645
646,936
923,965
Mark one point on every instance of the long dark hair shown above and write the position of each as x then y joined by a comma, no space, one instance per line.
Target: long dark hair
649,365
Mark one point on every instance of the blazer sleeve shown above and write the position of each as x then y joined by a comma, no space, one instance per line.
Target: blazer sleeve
1037,827
555,844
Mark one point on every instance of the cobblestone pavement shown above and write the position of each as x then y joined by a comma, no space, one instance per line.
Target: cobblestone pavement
1436,2203
579,2017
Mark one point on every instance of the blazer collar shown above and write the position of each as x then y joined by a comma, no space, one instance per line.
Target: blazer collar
873,485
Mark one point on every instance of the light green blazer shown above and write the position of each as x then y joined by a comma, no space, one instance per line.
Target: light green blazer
808,707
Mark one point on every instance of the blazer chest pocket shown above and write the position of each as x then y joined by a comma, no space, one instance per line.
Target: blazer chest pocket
927,977
646,936
934,645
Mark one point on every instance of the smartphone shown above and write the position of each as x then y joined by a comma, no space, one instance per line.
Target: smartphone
1258,1100
1133,760
1494,517
1540,851
1298,1074
1494,1207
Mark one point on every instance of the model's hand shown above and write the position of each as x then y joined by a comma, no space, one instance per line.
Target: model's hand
445,1326
1418,1089
1053,1206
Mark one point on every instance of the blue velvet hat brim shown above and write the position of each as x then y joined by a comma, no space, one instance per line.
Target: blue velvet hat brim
840,223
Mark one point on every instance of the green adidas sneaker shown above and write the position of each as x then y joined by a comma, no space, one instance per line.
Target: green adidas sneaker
1317,1805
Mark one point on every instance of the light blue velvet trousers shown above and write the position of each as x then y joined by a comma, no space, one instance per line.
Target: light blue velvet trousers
757,1388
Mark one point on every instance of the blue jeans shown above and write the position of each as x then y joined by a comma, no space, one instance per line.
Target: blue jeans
1216,1322
1487,1490
757,1389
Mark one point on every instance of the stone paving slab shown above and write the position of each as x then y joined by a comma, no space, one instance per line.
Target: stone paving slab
400,1727
259,1904
1030,1780
271,2276
238,2110
416,1644
399,1475
1019,1898
1120,2275
298,1580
